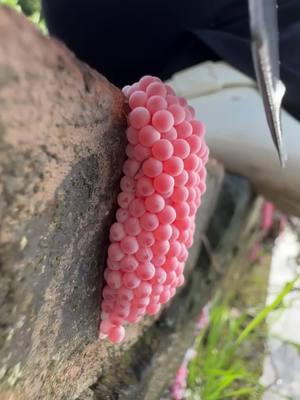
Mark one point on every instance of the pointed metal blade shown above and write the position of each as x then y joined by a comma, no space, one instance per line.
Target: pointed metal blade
264,32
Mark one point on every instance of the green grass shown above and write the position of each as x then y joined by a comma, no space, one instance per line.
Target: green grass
230,352
31,8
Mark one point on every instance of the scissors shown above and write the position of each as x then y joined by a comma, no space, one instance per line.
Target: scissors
265,53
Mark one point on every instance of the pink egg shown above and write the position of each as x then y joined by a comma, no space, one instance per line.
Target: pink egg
144,186
115,252
165,296
129,151
163,120
160,276
105,326
145,271
121,215
175,249
121,312
153,309
174,166
182,224
170,264
137,99
109,293
104,315
154,203
132,135
184,130
146,239
139,117
141,152
122,305
131,167
177,112
125,294
132,226
198,128
146,80
158,261
127,184
191,162
202,187
113,265
172,99
136,208
163,232
182,101
116,232
133,317
152,167
162,149
129,263
115,319
124,199
181,148
164,183
149,221
129,245
141,302
180,281
175,233
156,103
181,179
193,209
144,254
170,135
193,179
202,174
130,280
143,290
188,114
180,194
160,248
125,90
194,142
107,306
116,334
156,89
114,279
148,135
171,278
192,194
179,269
157,289
182,210
167,215
134,87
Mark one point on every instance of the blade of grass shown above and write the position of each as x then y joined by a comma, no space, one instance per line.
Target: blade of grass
262,315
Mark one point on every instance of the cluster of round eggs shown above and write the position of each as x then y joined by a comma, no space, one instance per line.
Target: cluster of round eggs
164,178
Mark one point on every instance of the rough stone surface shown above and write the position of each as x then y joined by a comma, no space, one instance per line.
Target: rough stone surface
61,150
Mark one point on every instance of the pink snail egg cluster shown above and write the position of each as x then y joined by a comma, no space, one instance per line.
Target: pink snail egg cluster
164,179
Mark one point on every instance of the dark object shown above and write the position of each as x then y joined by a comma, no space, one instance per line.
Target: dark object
125,40
264,32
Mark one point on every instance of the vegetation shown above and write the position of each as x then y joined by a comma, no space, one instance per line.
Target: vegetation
31,8
230,352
